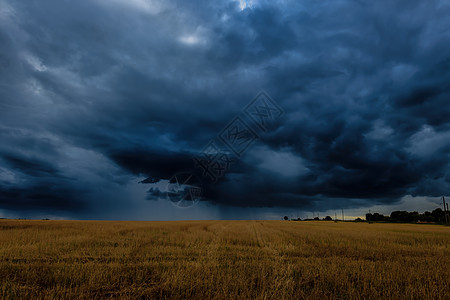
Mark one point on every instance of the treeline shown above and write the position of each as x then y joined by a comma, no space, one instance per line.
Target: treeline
437,215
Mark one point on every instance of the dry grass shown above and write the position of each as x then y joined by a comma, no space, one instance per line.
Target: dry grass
223,259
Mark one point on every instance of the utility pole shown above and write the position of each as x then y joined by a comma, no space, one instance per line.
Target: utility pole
343,214
445,209
335,217
446,214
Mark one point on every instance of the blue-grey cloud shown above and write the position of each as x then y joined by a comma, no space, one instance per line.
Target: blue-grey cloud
99,95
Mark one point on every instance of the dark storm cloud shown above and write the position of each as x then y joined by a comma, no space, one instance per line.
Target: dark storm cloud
98,94
158,164
42,197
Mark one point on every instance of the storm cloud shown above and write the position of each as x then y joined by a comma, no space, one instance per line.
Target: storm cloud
97,96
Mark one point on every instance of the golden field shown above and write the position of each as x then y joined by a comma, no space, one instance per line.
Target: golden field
223,260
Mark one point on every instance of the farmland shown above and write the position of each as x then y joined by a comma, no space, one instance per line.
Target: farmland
223,260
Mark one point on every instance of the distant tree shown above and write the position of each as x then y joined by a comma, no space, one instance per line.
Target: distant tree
438,215
316,219
404,216
286,218
377,217
328,218
399,216
426,217
358,220
413,216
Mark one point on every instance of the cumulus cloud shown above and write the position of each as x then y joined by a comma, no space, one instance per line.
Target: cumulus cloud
99,95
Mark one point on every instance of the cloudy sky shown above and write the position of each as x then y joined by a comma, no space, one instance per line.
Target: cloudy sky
103,101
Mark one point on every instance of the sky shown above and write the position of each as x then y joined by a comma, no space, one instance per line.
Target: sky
104,102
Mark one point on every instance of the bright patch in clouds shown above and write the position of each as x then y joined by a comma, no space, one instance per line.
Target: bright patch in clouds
148,6
197,37
35,62
190,39
243,4
427,141
283,162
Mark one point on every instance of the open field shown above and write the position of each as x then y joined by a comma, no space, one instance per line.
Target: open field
223,259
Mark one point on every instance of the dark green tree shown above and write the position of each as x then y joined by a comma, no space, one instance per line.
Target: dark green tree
438,215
